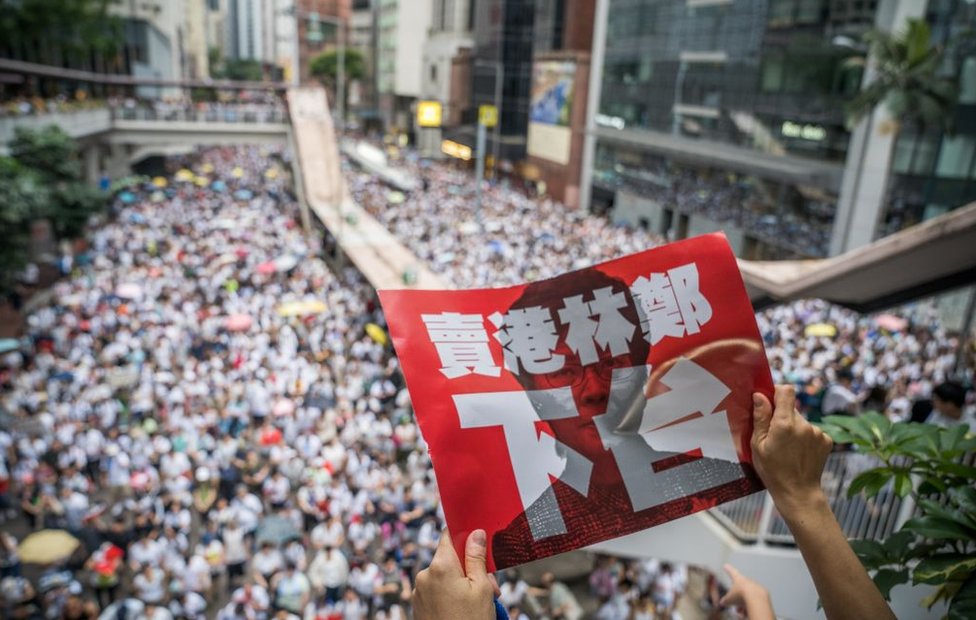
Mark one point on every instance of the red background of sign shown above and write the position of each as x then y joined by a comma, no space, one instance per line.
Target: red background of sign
474,474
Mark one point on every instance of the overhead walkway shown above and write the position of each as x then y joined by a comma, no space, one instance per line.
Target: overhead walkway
379,256
932,257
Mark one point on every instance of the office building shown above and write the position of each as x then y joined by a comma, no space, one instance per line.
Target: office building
727,114
450,31
401,31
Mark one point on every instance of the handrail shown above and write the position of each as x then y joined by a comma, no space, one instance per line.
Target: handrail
754,519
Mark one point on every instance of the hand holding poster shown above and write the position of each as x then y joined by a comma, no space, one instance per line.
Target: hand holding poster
595,404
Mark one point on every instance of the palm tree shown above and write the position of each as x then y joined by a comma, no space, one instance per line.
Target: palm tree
905,80
902,79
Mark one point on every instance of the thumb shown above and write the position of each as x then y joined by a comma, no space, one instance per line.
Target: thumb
762,414
476,555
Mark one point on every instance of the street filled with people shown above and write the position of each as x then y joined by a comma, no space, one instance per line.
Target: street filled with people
207,419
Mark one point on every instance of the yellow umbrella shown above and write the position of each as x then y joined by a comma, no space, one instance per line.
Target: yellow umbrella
237,172
376,333
821,329
202,181
301,308
271,173
160,181
47,547
184,174
207,168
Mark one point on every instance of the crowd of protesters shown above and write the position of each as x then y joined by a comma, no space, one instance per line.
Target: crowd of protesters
203,409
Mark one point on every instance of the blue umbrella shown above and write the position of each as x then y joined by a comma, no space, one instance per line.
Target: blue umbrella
127,197
243,194
9,344
218,186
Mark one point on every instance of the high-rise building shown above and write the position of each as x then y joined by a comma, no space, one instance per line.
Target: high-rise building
362,38
246,27
401,28
727,114
450,31
153,47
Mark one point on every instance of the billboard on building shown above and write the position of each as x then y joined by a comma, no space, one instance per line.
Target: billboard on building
550,109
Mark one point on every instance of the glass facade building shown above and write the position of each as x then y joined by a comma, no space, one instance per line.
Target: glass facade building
763,83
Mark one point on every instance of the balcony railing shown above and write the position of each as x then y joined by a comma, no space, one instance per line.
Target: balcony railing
754,519
227,113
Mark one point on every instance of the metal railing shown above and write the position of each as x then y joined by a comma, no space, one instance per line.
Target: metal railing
754,519
224,113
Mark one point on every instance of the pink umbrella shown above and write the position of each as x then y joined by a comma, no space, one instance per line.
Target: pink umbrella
238,322
283,407
890,322
266,268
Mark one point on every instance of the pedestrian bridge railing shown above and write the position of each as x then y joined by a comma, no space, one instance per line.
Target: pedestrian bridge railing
224,113
755,520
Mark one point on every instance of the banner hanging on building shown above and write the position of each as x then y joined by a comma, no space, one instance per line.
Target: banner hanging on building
595,404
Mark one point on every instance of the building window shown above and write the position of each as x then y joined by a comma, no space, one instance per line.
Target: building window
433,73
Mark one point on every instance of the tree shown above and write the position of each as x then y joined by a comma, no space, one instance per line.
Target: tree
23,195
244,69
325,66
928,463
71,33
906,79
48,151
903,80
51,156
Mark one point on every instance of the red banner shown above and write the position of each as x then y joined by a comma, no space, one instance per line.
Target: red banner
595,404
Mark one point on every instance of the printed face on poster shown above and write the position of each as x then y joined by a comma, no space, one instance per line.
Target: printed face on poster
595,404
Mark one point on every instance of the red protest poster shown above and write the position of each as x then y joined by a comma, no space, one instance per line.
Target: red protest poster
595,404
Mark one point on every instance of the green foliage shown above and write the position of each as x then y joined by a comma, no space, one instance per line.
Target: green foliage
48,151
246,70
325,66
23,195
60,32
926,462
41,180
906,79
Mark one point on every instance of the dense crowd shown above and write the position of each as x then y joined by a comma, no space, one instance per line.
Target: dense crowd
728,198
511,238
892,367
203,409
219,445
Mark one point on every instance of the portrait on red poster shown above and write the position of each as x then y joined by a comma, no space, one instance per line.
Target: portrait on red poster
604,401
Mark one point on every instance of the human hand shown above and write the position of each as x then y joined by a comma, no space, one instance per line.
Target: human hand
748,594
788,452
444,590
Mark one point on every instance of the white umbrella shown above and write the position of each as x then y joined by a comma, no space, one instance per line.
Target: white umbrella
129,291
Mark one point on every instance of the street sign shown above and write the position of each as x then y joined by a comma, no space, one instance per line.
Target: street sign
429,113
487,115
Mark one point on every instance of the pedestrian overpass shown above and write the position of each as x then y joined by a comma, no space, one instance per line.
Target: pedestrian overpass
113,139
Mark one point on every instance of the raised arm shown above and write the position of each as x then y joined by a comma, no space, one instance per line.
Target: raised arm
789,454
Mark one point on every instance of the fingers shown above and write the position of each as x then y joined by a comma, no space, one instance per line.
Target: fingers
476,555
494,585
762,414
445,558
785,397
732,596
731,572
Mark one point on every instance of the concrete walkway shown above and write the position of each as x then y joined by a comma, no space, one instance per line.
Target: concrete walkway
379,256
